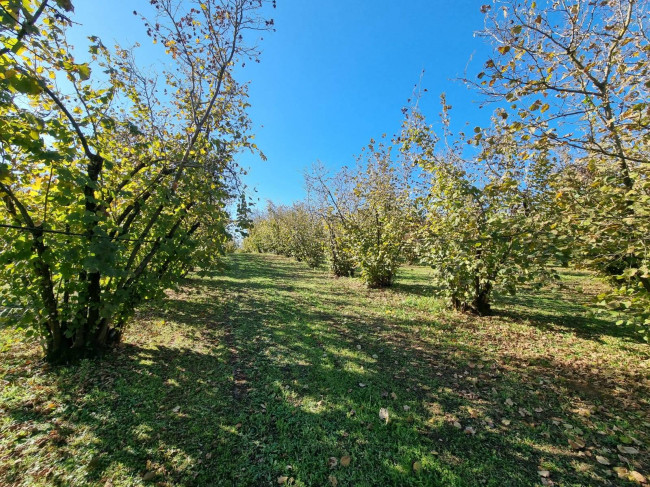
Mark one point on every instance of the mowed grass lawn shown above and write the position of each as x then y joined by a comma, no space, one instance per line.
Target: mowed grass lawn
270,373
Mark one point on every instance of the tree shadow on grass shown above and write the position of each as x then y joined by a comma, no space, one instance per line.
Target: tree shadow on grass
155,411
550,312
550,309
313,371
296,356
434,385
413,288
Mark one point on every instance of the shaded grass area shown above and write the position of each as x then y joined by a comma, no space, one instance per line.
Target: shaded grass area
270,373
562,307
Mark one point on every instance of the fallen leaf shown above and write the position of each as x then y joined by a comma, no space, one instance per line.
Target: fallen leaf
282,479
406,408
509,402
637,477
148,476
393,396
576,443
417,466
361,384
544,473
333,481
383,414
332,462
470,431
622,472
345,460
506,422
630,450
602,460
457,425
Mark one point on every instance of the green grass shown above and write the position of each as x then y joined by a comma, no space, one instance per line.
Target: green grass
261,374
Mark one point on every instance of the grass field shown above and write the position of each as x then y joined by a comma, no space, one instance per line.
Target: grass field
273,374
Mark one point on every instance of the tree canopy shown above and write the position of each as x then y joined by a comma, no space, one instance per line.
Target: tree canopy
110,173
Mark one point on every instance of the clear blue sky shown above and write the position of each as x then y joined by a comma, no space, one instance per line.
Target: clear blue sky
334,75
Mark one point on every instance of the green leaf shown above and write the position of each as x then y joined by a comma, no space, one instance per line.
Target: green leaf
26,85
65,5
5,174
84,71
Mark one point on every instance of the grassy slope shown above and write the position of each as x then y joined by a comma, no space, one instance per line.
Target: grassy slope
264,373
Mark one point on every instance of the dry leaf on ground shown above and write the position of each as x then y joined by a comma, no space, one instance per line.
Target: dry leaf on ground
602,460
383,414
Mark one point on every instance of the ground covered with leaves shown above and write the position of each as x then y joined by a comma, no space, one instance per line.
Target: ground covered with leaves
273,374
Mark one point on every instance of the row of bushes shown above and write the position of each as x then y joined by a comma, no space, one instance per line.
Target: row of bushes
560,175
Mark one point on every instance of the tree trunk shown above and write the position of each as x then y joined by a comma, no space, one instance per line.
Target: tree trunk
481,305
86,341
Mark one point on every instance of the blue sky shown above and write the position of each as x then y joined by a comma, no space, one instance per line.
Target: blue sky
334,75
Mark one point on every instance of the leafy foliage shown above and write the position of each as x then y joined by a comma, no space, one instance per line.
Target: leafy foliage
358,218
290,231
330,197
484,226
380,219
367,215
576,77
108,180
